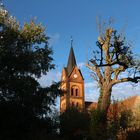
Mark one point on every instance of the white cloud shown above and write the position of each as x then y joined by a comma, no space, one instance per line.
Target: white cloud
124,90
91,91
53,39
91,85
92,95
119,92
81,65
51,76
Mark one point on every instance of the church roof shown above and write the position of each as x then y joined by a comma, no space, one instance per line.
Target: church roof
71,61
90,105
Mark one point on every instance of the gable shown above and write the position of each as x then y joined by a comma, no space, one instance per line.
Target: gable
76,75
64,74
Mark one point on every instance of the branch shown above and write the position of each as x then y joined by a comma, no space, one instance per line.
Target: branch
95,77
112,63
106,44
95,69
117,71
128,79
108,64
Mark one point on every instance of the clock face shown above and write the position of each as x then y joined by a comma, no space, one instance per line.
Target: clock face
63,78
75,76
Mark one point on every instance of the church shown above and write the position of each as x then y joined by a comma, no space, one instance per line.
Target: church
72,85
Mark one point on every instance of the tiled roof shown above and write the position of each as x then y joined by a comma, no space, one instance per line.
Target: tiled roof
90,105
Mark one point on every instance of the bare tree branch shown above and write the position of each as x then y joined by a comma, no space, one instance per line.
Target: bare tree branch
117,71
94,76
128,79
95,69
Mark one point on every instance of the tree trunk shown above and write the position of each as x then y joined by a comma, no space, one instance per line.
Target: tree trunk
104,99
105,89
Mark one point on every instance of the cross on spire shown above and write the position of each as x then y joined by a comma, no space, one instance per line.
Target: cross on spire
71,41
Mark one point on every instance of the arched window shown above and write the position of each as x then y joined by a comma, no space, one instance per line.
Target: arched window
72,91
76,92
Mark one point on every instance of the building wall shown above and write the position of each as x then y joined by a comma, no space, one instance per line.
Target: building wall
73,90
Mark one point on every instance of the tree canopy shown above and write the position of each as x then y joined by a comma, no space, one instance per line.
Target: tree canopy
24,57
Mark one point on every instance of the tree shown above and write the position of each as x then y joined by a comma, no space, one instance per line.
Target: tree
113,57
74,125
24,57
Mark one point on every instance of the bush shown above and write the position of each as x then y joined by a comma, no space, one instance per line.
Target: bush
74,124
98,125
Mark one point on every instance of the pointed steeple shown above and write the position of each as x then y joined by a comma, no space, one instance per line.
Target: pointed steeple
71,61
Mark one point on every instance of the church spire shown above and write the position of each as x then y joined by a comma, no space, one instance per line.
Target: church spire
71,61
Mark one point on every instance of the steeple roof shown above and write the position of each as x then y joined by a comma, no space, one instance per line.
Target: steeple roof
71,61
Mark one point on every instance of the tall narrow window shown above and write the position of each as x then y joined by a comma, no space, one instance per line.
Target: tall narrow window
76,92
72,91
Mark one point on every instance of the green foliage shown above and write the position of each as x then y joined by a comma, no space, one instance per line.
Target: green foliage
97,117
7,20
74,124
24,57
102,128
126,118
98,125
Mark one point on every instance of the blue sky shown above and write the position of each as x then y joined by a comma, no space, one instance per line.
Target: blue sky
77,18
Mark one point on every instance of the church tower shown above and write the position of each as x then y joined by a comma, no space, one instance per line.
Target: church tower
72,85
